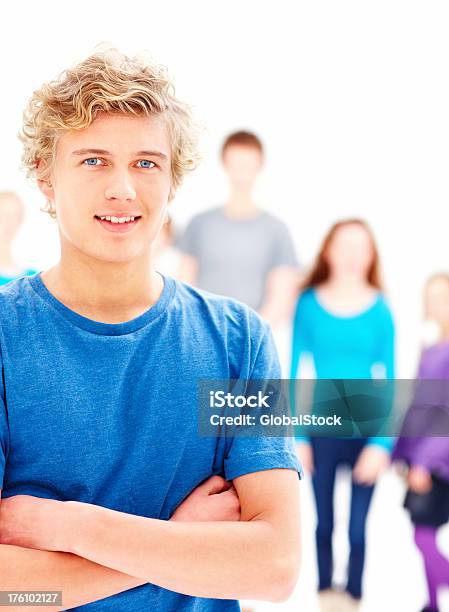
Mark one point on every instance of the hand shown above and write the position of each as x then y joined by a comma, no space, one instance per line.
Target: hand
372,461
419,480
304,453
400,468
32,522
213,500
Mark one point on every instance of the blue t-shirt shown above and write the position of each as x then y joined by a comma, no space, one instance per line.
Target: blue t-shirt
107,413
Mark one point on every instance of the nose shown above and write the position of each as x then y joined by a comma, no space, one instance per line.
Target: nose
120,187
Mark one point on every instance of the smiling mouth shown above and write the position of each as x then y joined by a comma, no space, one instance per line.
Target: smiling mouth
118,220
118,225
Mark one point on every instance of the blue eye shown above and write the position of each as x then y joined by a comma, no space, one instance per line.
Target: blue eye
92,161
146,163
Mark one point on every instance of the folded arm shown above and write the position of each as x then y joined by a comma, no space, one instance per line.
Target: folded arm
255,558
80,580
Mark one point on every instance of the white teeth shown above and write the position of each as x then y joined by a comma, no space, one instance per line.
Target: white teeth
118,219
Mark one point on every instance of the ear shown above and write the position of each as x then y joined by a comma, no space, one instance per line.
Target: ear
45,184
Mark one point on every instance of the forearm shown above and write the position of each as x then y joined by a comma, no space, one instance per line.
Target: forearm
232,560
277,308
80,580
281,291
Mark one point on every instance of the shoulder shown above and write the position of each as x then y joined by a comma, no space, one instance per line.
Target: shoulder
16,299
274,223
227,315
440,350
306,299
14,292
382,308
222,328
434,362
205,217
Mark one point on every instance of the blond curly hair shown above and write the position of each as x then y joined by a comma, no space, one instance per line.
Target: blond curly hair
107,81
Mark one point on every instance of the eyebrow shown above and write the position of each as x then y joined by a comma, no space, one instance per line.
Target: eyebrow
150,153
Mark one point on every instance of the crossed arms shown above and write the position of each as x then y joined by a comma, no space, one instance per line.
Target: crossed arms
90,552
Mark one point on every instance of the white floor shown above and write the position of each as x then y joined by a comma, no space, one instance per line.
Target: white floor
394,578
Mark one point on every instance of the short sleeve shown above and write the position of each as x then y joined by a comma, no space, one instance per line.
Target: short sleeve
284,253
4,432
188,240
255,454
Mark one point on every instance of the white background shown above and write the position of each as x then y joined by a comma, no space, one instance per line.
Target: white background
352,101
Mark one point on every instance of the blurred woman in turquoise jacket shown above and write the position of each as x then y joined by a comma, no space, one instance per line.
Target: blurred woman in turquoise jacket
343,322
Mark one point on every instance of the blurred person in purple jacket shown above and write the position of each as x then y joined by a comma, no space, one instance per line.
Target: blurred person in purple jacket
427,455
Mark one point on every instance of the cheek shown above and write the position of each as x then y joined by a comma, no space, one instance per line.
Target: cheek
153,194
341,257
442,307
12,220
357,257
154,197
237,174
72,222
75,198
365,260
68,214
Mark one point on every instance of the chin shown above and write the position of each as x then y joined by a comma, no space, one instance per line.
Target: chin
117,256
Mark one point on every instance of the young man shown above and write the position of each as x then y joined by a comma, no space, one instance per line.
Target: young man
99,442
237,249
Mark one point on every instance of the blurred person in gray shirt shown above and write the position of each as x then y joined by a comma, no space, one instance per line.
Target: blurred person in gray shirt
239,250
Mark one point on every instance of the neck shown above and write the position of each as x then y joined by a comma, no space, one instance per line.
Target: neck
240,204
107,291
346,283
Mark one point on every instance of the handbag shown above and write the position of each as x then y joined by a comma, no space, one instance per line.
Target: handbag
431,508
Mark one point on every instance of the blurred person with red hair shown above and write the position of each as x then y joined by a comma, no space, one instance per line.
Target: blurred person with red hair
344,324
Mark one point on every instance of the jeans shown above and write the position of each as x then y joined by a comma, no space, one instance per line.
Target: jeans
328,454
